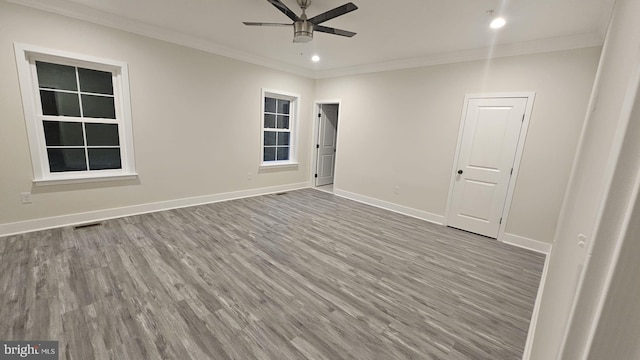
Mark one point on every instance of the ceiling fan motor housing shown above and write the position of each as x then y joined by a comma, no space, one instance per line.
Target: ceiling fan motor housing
302,31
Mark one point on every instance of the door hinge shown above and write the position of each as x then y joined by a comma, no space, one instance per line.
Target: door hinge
500,220
317,146
316,175
511,171
522,117
319,115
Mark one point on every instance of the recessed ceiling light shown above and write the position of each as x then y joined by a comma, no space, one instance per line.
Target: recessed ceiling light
315,58
497,23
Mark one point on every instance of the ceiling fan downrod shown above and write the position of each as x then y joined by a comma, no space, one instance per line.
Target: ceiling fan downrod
302,29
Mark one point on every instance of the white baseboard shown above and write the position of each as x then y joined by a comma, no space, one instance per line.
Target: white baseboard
99,215
541,247
528,347
523,242
515,240
511,239
423,215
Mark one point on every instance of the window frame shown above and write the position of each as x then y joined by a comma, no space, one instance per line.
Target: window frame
26,57
294,100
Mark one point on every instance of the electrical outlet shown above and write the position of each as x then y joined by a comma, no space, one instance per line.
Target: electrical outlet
25,198
249,176
396,189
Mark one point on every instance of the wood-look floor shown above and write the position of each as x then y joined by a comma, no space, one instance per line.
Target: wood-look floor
303,275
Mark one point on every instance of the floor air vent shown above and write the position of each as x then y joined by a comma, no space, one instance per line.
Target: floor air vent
84,226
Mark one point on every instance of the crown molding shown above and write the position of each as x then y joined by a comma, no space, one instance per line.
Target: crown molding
81,12
504,50
605,17
73,10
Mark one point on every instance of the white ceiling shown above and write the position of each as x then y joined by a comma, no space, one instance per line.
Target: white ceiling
391,34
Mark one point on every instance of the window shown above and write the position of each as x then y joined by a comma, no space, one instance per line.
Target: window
278,125
77,115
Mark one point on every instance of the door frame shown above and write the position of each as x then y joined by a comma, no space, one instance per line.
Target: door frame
314,141
530,96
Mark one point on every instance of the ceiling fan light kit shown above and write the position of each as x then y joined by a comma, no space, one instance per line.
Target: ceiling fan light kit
303,27
302,31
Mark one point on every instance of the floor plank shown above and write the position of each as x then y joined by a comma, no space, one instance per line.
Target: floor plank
302,275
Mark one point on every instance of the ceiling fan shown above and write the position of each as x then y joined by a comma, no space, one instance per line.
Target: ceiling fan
302,27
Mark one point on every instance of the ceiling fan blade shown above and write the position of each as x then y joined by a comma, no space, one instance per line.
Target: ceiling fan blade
334,13
264,24
285,10
330,30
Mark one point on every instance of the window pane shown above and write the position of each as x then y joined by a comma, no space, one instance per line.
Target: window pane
283,138
59,133
283,122
103,159
54,76
283,106
269,154
94,81
102,135
269,121
283,153
61,160
269,138
59,104
269,105
98,107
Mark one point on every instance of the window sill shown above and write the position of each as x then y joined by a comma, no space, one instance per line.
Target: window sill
76,180
280,165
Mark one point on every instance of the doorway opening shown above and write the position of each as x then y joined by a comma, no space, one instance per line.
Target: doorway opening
326,139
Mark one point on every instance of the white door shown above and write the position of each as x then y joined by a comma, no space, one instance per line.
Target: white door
486,154
326,145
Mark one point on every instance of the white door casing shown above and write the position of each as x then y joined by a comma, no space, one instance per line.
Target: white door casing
326,144
487,148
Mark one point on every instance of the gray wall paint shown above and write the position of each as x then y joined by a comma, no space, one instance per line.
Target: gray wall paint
400,128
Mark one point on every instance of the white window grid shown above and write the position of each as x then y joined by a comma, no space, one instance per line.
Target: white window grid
26,57
294,100
81,119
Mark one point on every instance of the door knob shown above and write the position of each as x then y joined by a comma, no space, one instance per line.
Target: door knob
460,172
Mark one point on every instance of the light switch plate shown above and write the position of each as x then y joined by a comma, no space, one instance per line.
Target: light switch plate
25,198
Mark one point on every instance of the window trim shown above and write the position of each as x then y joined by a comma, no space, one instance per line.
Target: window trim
293,129
26,56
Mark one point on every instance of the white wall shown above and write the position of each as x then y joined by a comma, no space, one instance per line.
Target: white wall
599,203
616,336
195,135
598,198
196,119
399,128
